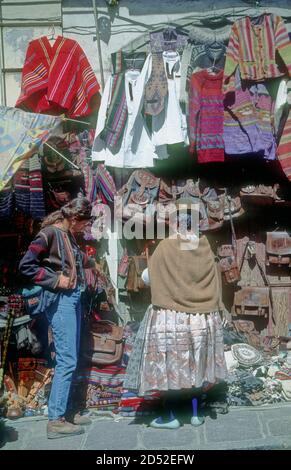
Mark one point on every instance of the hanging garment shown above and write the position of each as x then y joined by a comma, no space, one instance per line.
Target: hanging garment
206,116
249,121
28,189
170,125
284,147
197,57
282,103
156,89
116,118
136,149
57,79
169,39
21,134
80,146
260,47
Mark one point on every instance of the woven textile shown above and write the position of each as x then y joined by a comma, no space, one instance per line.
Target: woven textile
57,79
206,116
255,45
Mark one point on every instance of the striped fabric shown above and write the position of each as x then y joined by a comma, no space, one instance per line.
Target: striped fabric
105,183
254,48
116,114
206,116
26,192
284,148
57,79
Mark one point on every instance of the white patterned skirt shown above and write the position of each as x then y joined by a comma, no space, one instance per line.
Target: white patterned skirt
181,351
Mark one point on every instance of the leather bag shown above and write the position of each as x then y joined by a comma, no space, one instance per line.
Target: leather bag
104,344
228,253
136,266
139,196
278,249
214,201
254,300
233,207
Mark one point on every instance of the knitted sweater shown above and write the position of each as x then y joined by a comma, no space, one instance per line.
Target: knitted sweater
185,280
42,263
206,116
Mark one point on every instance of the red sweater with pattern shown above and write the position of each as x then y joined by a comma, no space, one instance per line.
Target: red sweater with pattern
206,116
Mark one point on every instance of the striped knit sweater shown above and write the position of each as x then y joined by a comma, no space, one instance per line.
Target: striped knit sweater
260,47
206,116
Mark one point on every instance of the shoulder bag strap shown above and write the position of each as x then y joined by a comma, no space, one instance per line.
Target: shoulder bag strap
233,235
267,283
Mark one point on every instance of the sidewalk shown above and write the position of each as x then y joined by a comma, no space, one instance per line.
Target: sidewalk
267,427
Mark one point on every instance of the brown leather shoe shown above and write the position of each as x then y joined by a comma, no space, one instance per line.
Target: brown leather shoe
79,420
62,428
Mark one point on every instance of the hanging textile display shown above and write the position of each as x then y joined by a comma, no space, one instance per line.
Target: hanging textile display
255,45
162,99
122,138
57,79
21,134
206,116
197,57
248,121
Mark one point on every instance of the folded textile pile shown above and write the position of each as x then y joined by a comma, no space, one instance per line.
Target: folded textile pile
102,387
132,405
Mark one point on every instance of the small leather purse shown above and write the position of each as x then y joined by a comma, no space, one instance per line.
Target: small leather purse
278,249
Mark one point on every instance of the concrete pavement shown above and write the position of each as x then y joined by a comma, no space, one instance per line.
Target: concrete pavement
267,427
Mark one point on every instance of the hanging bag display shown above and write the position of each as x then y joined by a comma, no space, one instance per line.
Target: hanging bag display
259,194
278,249
228,254
139,197
253,300
37,299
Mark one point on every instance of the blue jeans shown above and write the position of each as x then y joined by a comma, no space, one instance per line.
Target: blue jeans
65,319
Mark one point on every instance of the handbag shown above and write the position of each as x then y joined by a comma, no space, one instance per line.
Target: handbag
214,201
278,249
253,300
228,254
37,299
232,207
104,343
138,197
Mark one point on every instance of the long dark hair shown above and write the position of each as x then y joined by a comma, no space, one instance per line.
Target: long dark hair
79,208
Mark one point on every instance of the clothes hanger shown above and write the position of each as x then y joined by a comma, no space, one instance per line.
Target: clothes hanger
52,33
213,67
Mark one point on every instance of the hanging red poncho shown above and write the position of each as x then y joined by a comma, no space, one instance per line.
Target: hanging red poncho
57,79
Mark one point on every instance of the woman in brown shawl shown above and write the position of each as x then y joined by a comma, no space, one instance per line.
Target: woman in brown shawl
183,338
